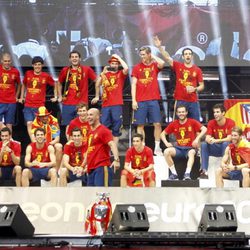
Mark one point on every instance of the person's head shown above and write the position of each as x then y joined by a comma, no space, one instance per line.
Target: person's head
37,64
93,116
145,54
219,111
181,112
137,141
5,134
236,134
82,111
76,136
6,61
75,58
43,114
114,63
187,55
39,134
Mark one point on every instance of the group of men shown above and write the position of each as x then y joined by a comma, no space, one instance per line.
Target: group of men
89,138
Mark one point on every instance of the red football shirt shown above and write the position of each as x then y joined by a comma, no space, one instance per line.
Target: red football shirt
36,88
235,155
15,146
76,154
41,154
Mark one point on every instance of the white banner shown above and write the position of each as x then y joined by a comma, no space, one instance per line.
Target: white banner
63,210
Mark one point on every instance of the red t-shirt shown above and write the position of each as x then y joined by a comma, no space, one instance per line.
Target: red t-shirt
78,84
139,160
235,155
8,80
147,87
186,77
184,133
98,148
76,154
112,88
84,126
36,88
41,154
15,146
220,132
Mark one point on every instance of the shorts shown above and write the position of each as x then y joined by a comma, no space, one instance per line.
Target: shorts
29,114
72,177
7,172
134,182
40,174
193,109
182,152
7,112
68,113
112,118
235,175
100,177
147,112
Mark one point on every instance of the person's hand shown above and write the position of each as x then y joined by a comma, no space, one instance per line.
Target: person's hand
59,99
134,105
116,165
53,99
20,100
94,100
157,41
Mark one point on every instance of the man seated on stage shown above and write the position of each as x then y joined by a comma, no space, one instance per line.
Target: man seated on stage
188,133
10,152
72,162
217,138
139,165
52,131
80,122
236,161
40,161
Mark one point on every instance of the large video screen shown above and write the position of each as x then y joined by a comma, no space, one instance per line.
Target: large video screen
217,31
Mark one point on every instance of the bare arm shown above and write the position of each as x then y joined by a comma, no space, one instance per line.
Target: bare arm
160,62
197,140
164,139
59,91
133,93
123,64
21,99
27,158
97,90
114,150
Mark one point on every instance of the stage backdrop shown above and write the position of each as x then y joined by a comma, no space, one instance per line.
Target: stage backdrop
63,210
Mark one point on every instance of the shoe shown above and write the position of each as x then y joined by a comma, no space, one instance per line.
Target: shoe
173,177
203,175
186,177
158,152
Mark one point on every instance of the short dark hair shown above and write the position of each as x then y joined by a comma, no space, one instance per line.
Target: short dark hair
74,52
181,106
75,129
39,129
37,59
219,106
146,49
183,51
237,130
5,129
138,135
81,105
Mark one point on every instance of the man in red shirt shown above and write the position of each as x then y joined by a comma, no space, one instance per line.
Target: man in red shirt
40,161
236,161
10,85
141,171
146,95
34,84
73,159
80,122
188,133
112,81
189,80
10,152
217,139
73,86
100,142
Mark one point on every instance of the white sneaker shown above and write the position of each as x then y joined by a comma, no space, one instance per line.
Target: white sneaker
158,152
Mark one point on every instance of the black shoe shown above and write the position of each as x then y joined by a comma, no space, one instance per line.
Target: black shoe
203,175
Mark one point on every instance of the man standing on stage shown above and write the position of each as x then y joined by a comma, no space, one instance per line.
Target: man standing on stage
112,81
217,138
146,95
34,84
10,153
40,161
188,133
236,161
73,86
10,86
100,142
189,80
141,172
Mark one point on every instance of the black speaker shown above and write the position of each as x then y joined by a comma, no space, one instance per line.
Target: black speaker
218,217
14,222
129,217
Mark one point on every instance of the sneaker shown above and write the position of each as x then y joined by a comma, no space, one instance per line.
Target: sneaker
158,152
173,177
203,175
186,177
